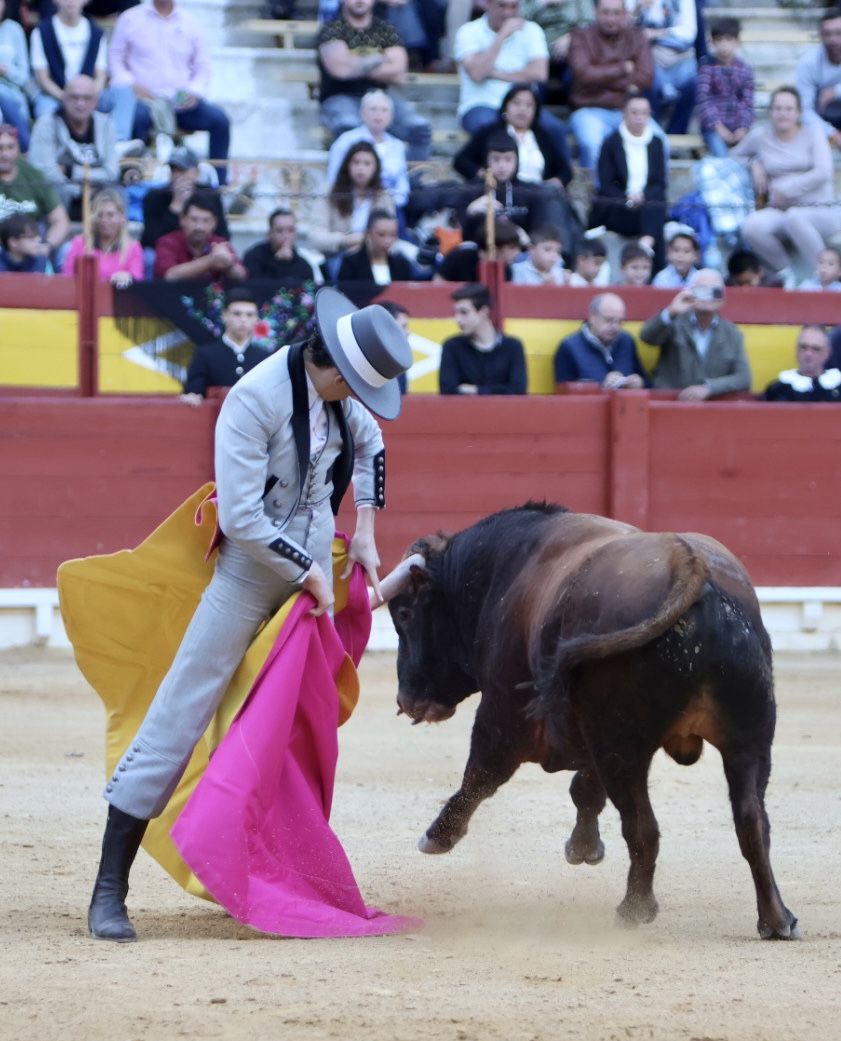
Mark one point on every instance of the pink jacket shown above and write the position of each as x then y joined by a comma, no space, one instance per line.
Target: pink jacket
109,263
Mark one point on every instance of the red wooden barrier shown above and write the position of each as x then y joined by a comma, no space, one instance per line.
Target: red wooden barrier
93,476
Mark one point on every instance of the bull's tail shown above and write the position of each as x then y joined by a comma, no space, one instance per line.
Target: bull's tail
559,655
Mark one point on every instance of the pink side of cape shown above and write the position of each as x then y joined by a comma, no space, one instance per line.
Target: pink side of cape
255,831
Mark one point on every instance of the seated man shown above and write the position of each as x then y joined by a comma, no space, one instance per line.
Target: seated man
462,263
357,53
159,59
222,362
601,351
481,360
494,51
811,380
21,249
23,189
376,261
162,207
819,77
526,204
74,141
195,251
277,257
609,60
701,353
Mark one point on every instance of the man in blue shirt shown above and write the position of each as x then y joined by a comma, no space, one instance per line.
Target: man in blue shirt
601,352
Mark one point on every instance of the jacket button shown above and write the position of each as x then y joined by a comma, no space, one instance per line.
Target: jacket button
283,484
122,768
129,758
137,748
109,787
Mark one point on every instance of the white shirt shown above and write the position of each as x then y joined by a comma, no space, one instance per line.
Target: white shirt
318,420
530,159
73,42
382,274
516,52
636,157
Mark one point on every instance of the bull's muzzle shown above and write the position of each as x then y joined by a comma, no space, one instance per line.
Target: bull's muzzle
424,710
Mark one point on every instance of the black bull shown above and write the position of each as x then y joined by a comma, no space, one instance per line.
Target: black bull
593,644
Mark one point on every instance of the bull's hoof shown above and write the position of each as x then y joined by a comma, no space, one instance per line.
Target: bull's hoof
790,931
636,910
426,844
579,853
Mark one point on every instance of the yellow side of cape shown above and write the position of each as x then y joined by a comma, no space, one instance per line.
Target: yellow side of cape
125,614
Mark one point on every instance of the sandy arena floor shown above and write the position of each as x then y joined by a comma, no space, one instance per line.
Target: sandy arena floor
518,945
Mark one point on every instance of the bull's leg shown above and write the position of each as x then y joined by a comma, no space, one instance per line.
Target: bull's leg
493,760
626,783
584,845
747,775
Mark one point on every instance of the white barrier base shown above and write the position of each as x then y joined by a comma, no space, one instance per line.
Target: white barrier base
798,619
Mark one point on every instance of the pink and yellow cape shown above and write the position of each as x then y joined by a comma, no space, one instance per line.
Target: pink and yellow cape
248,826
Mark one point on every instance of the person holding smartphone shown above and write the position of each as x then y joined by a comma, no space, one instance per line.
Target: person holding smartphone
702,355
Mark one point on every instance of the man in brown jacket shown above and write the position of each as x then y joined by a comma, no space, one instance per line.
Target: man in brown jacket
701,353
609,60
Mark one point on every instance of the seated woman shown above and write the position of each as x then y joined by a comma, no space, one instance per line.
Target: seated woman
340,222
375,263
631,197
539,158
376,112
119,257
791,167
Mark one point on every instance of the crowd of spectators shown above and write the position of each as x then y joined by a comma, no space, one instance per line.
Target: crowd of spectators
76,102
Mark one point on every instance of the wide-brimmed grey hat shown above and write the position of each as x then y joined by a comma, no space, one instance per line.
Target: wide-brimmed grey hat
369,348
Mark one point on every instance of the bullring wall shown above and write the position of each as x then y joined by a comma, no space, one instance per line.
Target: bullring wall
92,476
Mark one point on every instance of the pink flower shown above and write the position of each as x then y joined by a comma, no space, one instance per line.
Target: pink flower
262,330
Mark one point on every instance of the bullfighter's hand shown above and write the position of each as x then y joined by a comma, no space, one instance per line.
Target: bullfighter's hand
363,549
697,392
316,585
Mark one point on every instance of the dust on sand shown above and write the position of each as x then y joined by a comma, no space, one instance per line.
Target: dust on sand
518,945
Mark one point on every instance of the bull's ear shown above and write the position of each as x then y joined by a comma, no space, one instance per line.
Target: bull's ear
418,576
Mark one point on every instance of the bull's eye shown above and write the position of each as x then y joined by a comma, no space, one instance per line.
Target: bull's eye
403,615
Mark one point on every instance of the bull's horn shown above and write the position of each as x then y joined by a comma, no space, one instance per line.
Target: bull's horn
395,581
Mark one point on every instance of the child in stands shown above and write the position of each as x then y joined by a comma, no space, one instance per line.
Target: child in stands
634,265
724,92
591,267
827,274
23,250
682,258
543,266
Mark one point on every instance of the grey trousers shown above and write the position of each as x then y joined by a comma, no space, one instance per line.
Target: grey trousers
241,594
807,228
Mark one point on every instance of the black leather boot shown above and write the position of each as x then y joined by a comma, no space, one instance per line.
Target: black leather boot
107,916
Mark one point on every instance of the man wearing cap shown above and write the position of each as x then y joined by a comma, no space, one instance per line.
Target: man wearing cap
162,207
291,435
